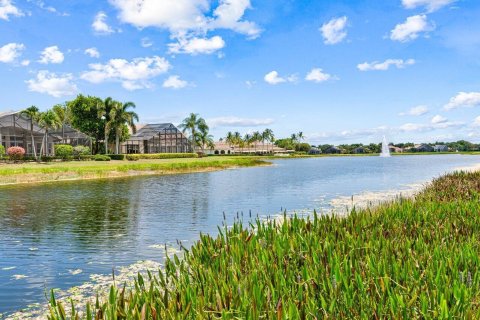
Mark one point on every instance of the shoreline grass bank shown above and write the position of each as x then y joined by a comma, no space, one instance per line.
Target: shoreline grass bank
409,259
12,174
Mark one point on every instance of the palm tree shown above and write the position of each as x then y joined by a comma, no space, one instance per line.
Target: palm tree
294,137
120,116
267,135
256,137
248,140
230,139
48,120
300,136
192,123
104,107
33,114
64,115
237,139
203,137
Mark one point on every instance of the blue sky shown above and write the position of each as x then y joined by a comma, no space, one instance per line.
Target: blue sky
340,71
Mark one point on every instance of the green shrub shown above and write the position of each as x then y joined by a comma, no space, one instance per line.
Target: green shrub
86,157
117,156
101,157
138,156
2,150
302,147
63,151
79,151
47,158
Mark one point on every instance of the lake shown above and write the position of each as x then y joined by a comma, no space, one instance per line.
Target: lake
57,235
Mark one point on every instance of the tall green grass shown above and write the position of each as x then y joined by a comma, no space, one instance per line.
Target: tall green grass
410,259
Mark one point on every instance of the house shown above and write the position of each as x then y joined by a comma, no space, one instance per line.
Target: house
221,147
440,148
424,148
157,138
359,150
332,150
17,130
314,150
394,149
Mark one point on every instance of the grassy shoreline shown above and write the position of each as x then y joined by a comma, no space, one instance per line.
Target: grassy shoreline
411,258
13,174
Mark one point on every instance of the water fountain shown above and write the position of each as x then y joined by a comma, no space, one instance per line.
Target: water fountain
385,149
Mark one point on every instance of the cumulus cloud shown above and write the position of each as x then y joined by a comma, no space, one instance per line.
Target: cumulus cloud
476,122
25,63
438,119
274,78
51,55
7,9
431,5
411,28
92,52
100,25
239,122
416,111
187,18
424,127
317,75
53,84
385,65
333,31
348,134
10,52
196,45
463,99
174,82
132,75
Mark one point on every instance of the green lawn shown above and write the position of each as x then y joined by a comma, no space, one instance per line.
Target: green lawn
410,259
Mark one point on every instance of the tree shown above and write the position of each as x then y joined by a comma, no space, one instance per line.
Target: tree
203,138
267,135
33,114
256,137
63,115
48,120
84,116
120,117
230,139
191,123
237,139
104,113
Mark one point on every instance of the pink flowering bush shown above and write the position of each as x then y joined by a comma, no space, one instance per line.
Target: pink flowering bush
16,153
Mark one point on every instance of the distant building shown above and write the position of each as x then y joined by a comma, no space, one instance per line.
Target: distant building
157,138
424,148
359,150
440,148
394,149
221,147
332,150
314,150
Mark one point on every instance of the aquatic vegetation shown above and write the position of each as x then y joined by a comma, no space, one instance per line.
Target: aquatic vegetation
411,258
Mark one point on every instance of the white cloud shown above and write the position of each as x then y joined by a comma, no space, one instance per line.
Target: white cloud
273,78
146,42
51,55
228,15
411,28
334,31
317,75
174,82
100,25
132,75
438,119
416,111
239,122
463,99
25,63
92,52
348,134
250,84
196,45
10,52
476,122
53,84
385,65
183,17
8,9
424,127
431,5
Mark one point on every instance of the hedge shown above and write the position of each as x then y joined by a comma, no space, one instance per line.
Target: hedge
116,156
138,156
101,157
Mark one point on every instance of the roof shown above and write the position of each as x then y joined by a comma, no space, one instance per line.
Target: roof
154,129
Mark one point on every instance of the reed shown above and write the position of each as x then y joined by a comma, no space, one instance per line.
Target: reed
409,259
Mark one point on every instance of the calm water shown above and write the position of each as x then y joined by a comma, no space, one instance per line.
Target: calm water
47,231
